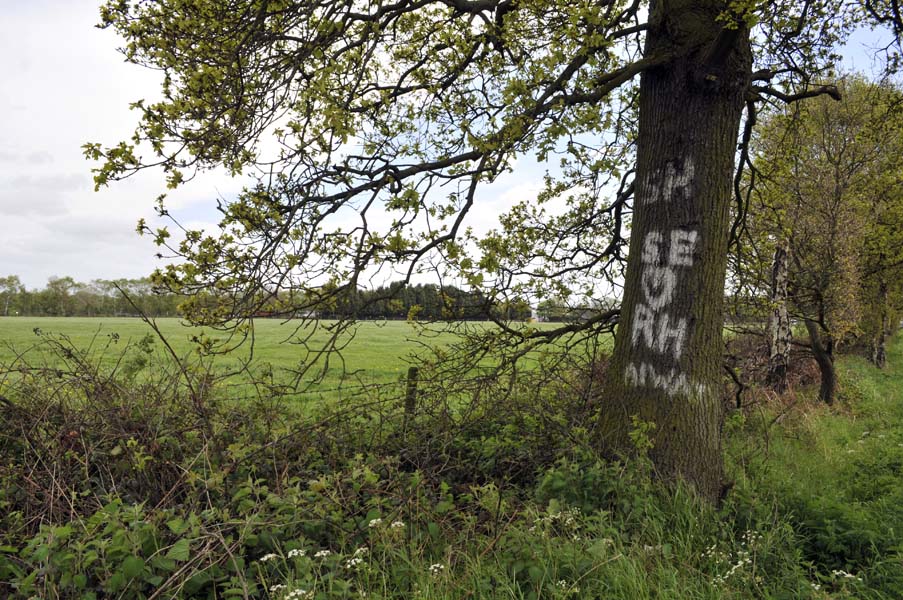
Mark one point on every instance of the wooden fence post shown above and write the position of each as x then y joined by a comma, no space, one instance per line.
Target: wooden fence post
410,395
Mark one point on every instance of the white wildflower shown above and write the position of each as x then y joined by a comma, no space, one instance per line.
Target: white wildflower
268,557
296,552
845,575
353,563
374,523
397,524
277,587
322,554
361,551
437,569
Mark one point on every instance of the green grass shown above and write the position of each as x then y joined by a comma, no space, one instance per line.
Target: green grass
371,353
837,473
378,352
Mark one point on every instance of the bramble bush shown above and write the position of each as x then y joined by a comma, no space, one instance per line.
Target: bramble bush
142,479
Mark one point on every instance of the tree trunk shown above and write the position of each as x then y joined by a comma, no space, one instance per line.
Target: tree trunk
879,351
824,356
879,344
667,360
779,332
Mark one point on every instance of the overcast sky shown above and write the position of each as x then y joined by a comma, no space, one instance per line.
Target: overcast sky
64,85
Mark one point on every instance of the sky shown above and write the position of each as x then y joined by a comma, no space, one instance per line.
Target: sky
65,84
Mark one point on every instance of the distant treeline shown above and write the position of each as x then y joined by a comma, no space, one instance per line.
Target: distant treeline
65,297
424,302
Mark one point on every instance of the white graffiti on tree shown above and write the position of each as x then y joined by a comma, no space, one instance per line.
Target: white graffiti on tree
658,332
653,326
670,183
674,383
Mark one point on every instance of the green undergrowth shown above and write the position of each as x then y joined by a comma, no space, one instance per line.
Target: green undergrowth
837,474
156,487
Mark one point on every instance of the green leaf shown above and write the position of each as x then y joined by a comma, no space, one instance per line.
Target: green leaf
433,529
177,525
132,566
41,553
181,550
116,582
161,563
241,493
234,592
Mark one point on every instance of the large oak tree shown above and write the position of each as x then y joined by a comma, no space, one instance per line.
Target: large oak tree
368,129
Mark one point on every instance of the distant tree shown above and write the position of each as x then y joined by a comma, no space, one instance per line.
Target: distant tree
56,298
64,296
11,289
828,173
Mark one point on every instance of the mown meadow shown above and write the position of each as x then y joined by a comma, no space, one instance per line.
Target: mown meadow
371,353
375,351
142,479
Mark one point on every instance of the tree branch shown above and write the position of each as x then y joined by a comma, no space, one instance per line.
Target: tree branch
830,90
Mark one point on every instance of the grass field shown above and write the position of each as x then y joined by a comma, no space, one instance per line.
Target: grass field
378,352
375,353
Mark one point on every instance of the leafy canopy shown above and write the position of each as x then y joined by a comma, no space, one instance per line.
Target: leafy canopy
367,130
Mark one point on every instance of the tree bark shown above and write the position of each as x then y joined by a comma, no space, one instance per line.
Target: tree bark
667,360
823,351
779,332
879,352
879,344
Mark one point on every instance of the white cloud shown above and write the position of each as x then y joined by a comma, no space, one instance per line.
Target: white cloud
39,195
64,85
